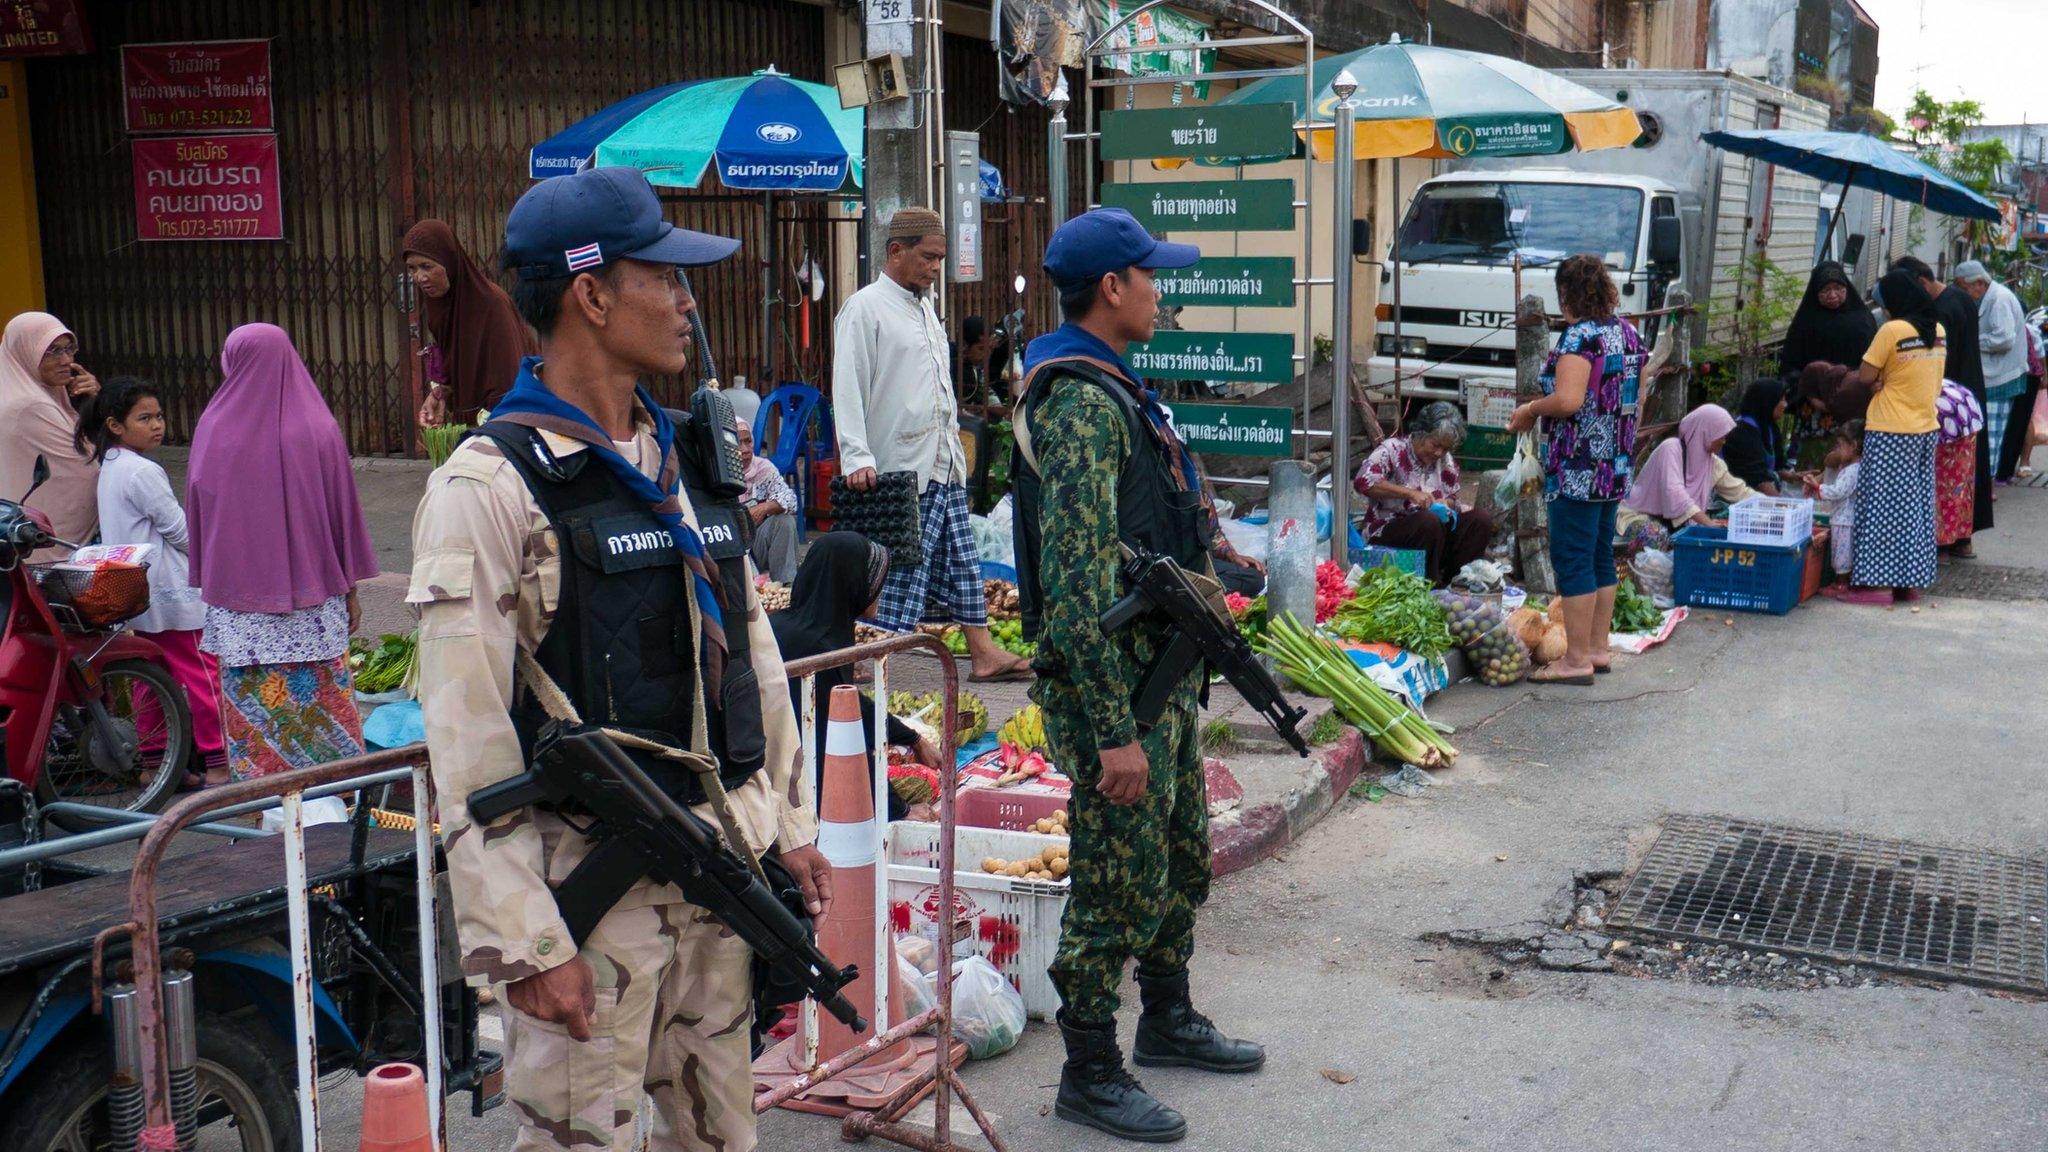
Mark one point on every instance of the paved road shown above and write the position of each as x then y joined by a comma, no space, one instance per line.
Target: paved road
1916,724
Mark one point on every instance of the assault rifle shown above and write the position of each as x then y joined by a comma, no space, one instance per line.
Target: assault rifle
1202,631
637,830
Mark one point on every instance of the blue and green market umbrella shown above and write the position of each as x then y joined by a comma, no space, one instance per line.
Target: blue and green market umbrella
765,132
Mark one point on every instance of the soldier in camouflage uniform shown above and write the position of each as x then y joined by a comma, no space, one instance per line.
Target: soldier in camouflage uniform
658,998
1101,467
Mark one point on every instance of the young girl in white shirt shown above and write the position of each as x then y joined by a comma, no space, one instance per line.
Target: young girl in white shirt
122,427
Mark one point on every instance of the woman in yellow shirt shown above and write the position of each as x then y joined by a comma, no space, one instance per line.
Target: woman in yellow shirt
1895,497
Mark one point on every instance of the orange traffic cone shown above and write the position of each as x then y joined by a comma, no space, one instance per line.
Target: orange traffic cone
850,839
395,1110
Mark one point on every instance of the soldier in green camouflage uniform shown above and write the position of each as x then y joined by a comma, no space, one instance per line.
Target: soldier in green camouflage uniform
1109,471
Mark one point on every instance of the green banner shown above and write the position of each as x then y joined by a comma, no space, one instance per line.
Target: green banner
1202,130
1206,205
1149,30
1252,357
1502,136
1230,282
1235,429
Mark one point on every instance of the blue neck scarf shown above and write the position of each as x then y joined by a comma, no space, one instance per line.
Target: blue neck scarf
1070,340
531,405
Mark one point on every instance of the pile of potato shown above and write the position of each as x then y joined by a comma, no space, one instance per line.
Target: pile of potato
774,597
1001,595
1053,825
1050,864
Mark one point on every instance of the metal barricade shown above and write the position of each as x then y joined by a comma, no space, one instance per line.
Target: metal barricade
941,1078
159,1132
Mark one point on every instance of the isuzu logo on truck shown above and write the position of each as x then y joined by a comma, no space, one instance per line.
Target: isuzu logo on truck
1472,319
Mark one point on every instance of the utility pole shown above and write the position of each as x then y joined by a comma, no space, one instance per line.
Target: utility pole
900,155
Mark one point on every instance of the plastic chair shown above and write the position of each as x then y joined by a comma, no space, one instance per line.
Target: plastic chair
793,406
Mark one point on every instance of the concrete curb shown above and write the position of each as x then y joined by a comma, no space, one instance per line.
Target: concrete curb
1240,839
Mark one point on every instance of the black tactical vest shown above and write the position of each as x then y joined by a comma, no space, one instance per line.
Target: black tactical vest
1153,510
620,645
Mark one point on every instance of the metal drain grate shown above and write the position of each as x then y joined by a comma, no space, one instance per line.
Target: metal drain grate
1954,913
1969,580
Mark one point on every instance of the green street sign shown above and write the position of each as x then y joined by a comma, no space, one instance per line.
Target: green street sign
1501,136
1235,131
1206,205
1252,357
1230,282
1235,429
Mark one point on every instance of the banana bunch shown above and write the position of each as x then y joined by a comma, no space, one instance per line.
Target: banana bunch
929,708
1026,730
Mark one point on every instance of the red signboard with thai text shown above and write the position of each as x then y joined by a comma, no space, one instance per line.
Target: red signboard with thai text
43,28
214,86
207,188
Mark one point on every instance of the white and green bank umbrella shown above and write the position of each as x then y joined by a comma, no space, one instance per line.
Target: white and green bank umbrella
1420,100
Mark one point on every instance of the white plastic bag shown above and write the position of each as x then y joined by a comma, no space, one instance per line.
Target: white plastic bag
325,810
1525,466
988,1014
994,544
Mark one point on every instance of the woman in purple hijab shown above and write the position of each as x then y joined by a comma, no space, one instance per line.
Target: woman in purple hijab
278,546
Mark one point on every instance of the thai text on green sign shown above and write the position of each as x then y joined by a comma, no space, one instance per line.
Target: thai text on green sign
1230,282
1237,131
1206,205
1235,429
1252,357
1502,136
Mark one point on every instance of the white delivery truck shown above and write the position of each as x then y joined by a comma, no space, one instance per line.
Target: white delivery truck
1668,212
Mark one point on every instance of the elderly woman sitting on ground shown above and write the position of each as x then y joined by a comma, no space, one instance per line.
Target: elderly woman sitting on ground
1411,485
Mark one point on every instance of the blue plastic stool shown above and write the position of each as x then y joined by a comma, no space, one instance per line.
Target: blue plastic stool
794,405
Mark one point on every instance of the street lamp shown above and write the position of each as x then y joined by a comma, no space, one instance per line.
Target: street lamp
1340,326
1056,153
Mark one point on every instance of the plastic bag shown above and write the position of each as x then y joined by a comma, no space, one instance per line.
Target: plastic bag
988,1014
324,810
1481,629
917,994
395,725
1525,466
994,544
1654,573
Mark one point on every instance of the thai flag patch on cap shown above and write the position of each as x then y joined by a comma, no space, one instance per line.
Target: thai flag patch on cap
585,257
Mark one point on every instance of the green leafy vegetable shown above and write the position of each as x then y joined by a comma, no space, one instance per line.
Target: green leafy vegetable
385,667
1394,607
1633,611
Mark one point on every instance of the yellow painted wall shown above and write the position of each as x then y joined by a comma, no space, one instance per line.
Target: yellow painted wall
21,251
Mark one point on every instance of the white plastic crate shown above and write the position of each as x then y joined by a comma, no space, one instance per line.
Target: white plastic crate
1013,923
1771,520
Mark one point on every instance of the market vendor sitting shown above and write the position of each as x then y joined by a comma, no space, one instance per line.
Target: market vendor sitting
1684,477
1411,484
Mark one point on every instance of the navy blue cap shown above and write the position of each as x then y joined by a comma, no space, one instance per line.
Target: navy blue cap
568,224
1106,240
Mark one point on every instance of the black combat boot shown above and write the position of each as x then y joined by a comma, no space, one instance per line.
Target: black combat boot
1097,1090
1172,1034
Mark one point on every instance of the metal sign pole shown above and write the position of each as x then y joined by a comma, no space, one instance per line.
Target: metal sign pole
1340,325
1056,154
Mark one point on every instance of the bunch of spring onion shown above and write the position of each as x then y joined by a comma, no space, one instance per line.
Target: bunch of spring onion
440,441
1323,668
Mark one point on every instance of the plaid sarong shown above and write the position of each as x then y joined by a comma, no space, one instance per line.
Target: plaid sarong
946,588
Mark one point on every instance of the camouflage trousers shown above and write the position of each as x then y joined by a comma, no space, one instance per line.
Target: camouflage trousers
1138,871
674,1003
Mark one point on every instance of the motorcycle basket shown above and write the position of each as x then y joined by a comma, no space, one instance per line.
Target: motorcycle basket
95,598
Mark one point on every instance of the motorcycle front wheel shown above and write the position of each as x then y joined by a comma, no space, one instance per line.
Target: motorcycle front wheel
133,759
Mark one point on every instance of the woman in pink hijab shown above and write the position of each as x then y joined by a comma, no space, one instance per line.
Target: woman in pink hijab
39,377
1677,483
278,545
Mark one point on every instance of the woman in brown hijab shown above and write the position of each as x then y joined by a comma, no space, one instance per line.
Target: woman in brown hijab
478,338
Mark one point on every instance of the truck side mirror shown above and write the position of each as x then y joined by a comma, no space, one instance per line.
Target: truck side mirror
1665,244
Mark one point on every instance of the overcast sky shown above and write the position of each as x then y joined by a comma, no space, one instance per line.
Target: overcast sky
1993,51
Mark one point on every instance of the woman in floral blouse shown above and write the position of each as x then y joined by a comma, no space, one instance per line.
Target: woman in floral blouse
1411,486
1588,411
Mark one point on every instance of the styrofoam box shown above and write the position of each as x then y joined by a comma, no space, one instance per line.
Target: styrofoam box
1013,923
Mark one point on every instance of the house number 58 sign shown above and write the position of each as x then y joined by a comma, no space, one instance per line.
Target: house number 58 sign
888,12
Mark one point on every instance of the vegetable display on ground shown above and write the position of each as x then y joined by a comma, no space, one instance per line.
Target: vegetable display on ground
1633,611
1394,607
1321,667
385,667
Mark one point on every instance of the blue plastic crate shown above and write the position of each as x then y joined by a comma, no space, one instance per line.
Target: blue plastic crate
1409,560
1712,573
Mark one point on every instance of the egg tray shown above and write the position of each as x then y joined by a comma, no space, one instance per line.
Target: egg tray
887,514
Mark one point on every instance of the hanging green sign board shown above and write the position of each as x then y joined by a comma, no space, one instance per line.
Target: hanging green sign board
1206,205
1235,429
1235,131
1230,282
1251,357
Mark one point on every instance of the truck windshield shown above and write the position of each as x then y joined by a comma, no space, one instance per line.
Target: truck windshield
1472,223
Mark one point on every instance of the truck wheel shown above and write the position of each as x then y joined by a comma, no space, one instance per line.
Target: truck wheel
150,713
244,1104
